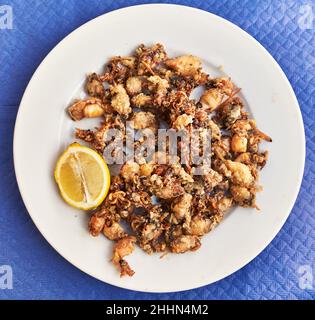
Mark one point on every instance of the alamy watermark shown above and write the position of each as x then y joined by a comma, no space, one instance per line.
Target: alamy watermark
6,277
6,17
191,147
306,17
305,278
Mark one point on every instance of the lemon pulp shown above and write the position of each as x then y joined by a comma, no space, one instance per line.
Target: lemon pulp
82,176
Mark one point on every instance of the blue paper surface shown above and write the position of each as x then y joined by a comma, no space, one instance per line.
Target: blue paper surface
282,271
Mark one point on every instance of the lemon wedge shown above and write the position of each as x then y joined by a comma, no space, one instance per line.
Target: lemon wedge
82,176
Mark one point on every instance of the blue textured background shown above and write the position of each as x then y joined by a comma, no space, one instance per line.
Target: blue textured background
38,271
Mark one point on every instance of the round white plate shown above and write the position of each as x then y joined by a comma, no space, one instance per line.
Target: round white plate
43,130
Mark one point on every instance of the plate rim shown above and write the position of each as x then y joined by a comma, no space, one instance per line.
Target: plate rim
271,59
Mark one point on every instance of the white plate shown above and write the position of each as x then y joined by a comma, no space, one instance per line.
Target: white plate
43,129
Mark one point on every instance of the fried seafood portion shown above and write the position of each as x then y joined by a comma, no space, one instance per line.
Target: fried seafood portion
161,202
185,243
118,69
94,86
142,120
149,58
87,108
120,100
185,65
122,248
99,138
